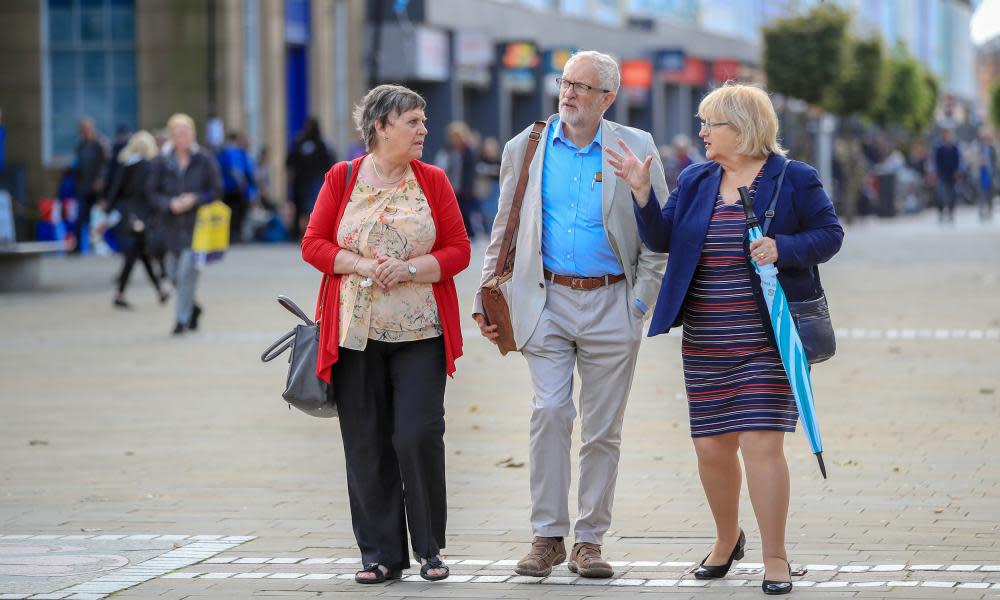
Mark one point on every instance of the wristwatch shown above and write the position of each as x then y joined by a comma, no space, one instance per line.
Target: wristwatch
412,269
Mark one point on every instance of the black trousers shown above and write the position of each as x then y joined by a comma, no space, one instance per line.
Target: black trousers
391,403
137,250
237,204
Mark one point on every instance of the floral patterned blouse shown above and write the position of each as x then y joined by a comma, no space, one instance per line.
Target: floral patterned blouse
393,222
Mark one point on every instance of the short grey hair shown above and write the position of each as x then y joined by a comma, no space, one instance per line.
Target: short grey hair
379,104
608,74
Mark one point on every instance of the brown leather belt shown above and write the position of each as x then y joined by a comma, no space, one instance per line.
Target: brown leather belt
582,283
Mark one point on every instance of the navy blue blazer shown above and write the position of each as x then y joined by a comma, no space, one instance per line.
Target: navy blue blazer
805,227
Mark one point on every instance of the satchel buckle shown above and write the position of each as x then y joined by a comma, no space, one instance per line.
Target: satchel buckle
769,214
534,135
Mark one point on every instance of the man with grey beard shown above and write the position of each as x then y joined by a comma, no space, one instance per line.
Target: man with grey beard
581,287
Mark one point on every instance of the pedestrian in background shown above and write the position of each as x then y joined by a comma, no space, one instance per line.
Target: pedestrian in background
458,159
947,164
307,163
488,182
581,285
985,157
129,195
238,183
739,398
122,137
680,156
391,242
183,179
91,157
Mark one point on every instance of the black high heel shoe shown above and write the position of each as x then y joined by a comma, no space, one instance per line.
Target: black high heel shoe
716,571
778,588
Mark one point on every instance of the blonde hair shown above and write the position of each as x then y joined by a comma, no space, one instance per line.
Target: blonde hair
748,109
181,119
142,143
460,129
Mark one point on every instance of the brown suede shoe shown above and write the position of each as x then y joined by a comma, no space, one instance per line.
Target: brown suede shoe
585,559
545,554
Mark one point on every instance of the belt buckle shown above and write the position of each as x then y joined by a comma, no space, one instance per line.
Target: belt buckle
576,283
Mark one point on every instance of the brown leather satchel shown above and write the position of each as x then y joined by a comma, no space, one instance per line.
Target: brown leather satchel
493,292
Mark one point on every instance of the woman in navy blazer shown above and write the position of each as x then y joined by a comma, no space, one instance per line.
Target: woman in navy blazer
738,394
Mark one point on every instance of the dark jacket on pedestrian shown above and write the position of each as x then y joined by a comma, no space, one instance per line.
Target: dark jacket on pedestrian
947,161
462,172
805,228
129,194
308,161
91,156
167,180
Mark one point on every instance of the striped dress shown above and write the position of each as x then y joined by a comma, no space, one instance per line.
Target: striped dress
733,373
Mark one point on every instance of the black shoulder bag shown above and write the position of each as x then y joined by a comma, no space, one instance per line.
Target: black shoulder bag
304,389
812,317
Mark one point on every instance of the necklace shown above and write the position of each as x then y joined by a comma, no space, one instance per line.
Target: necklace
385,179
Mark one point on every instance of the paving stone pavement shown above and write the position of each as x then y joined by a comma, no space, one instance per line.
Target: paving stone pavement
111,427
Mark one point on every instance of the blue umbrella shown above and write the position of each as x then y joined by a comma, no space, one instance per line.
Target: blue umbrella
793,355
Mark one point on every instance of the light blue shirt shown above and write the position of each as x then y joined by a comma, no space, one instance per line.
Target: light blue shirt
573,238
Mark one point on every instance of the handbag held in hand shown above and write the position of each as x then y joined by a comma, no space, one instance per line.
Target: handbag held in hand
304,389
493,293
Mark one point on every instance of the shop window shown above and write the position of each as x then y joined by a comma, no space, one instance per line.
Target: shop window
88,70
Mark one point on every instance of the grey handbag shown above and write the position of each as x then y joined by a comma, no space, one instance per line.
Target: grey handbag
812,317
304,389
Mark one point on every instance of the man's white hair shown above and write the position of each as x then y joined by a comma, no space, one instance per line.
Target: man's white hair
607,68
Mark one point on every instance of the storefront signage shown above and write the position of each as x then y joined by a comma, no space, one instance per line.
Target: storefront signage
420,53
473,49
637,73
695,72
671,59
431,47
555,59
637,79
519,55
726,69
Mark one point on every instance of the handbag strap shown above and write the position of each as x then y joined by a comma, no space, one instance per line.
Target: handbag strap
294,309
273,351
769,213
514,217
769,216
326,276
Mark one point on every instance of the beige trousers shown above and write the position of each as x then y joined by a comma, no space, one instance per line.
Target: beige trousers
598,332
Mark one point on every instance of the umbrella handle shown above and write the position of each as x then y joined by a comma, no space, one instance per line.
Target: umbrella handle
747,207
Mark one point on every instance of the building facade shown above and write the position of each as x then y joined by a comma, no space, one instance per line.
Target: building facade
260,66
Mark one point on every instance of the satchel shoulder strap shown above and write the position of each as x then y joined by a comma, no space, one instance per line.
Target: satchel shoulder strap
505,260
769,213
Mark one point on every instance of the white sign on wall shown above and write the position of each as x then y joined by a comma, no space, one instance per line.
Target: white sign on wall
431,54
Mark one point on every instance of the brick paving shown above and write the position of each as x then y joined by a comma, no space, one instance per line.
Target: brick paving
110,427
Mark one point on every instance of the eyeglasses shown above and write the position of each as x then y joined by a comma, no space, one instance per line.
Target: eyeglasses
579,88
708,125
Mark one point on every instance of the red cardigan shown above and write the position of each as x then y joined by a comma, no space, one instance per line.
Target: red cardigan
451,249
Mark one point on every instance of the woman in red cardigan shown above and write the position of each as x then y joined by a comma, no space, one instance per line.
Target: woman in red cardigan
389,243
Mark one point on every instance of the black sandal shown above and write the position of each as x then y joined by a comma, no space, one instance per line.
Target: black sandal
380,576
429,564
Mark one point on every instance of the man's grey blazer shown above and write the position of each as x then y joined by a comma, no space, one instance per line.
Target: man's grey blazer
526,290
